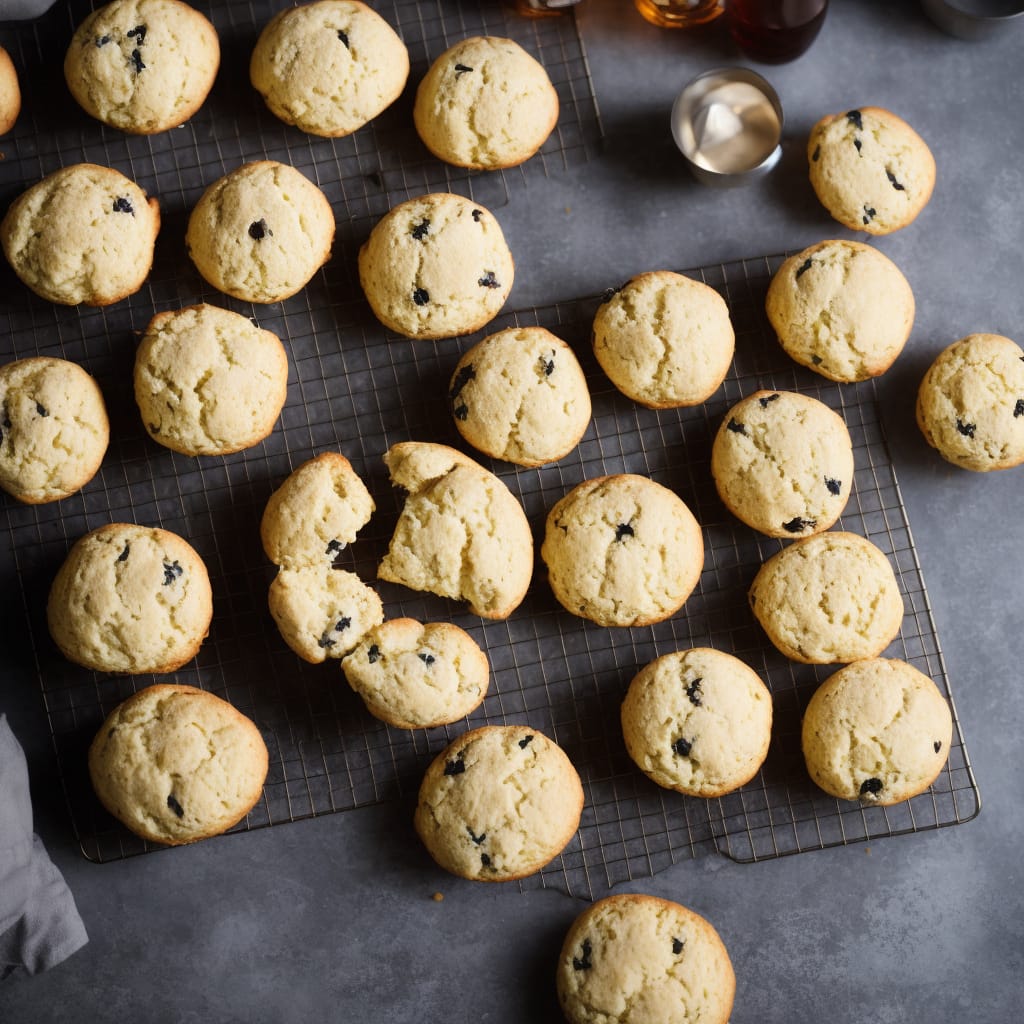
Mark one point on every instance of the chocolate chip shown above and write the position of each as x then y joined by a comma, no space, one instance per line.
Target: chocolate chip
525,742
853,116
607,294
175,806
373,653
967,429
804,267
343,36
872,786
137,61
462,378
421,296
122,205
102,41
258,229
582,963
816,153
427,659
489,280
682,747
461,69
937,745
736,427
485,860
798,525
834,486
693,691
477,839
1018,409
334,549
817,360
421,230
548,365
123,557
455,767
342,624
477,214
623,530
677,946
461,412
172,572
138,33
41,409
892,181
869,214
857,144
764,402
325,640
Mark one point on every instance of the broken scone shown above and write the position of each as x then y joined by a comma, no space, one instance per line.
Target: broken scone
461,534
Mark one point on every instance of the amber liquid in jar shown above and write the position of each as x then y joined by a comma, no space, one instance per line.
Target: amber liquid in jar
775,31
680,13
542,8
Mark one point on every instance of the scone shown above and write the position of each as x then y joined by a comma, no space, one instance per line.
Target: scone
323,612
870,169
877,731
783,463
130,599
142,65
54,431
842,309
416,676
84,234
634,958
697,721
176,764
485,103
316,513
498,803
827,598
622,550
435,267
461,533
10,93
664,339
520,395
329,67
209,381
261,232
970,404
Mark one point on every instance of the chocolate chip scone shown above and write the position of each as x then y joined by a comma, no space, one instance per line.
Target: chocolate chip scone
828,598
10,93
485,103
870,169
416,676
461,534
842,309
54,429
520,395
436,266
261,232
142,65
316,513
783,463
970,404
632,958
209,381
84,234
329,67
877,731
498,804
698,721
664,339
130,599
622,550
176,764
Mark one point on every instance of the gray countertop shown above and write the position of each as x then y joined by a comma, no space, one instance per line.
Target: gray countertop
333,918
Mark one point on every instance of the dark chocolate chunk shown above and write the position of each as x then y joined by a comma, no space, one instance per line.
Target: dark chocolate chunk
373,653
582,963
798,525
175,806
172,572
421,230
421,296
427,659
477,839
764,402
871,786
102,40
138,34
937,745
485,860
853,116
1018,409
477,214
816,153
869,214
693,691
41,409
455,767
682,747
608,293
462,378
343,36
857,144
892,181
804,267
258,229
489,280
834,486
342,624
137,61
623,530
123,557
122,205
334,549
461,69
736,427
967,429
677,946
548,365
817,360
461,412
325,640
525,742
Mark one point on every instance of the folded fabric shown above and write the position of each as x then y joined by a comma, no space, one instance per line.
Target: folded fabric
39,922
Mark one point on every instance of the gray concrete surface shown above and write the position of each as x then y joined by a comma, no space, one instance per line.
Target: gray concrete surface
332,919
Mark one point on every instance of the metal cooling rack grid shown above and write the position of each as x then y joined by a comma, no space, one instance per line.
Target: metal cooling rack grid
359,389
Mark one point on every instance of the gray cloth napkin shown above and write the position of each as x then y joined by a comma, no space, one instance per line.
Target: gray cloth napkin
39,922
10,9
